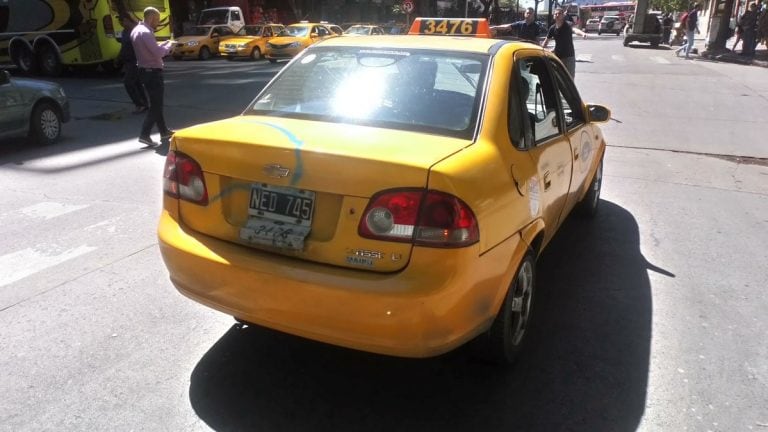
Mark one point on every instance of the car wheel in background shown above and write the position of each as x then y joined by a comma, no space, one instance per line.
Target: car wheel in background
588,205
204,54
48,59
256,53
24,59
273,61
45,124
111,67
503,341
176,57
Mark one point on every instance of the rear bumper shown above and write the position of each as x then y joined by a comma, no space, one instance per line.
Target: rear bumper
444,298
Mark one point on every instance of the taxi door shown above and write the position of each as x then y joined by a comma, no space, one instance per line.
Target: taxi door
577,130
548,147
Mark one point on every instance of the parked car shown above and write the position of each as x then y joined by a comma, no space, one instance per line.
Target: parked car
294,38
610,24
250,41
389,194
32,107
363,30
592,25
202,42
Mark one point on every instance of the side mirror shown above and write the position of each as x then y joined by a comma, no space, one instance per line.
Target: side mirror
5,77
598,113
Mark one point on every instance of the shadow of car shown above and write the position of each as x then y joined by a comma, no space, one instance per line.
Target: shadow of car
32,107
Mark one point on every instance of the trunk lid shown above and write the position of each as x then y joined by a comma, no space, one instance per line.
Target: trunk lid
256,167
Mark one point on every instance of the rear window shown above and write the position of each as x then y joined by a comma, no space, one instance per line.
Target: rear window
419,90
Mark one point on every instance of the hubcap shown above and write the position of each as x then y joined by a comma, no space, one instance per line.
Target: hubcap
521,301
49,124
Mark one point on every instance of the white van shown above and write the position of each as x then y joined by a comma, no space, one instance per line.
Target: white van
230,16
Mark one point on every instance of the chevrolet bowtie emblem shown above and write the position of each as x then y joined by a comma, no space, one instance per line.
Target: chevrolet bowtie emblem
275,170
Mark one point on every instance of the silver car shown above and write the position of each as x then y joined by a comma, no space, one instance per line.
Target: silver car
32,107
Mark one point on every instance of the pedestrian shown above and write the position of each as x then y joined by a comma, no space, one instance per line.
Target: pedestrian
748,22
667,26
562,32
737,33
149,58
131,81
762,27
527,29
691,25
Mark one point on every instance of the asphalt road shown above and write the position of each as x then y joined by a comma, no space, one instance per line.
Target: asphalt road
651,317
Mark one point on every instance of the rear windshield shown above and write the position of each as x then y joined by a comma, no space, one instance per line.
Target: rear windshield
419,90
295,31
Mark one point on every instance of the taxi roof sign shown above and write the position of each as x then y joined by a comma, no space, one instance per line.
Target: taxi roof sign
477,27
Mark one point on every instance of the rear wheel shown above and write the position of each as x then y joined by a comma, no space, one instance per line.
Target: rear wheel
24,59
587,207
204,54
48,59
256,53
45,124
502,343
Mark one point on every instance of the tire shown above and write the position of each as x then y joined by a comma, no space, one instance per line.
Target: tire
45,124
176,57
588,205
503,342
204,53
49,62
256,54
599,32
25,60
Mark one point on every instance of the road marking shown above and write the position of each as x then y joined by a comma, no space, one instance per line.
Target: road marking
618,58
660,60
584,58
50,210
18,265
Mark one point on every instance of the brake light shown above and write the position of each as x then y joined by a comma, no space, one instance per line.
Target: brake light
425,218
183,179
109,28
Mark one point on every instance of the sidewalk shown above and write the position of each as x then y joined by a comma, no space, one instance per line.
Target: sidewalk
760,58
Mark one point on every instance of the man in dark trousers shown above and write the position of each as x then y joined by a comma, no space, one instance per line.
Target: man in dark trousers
562,32
131,71
528,29
149,58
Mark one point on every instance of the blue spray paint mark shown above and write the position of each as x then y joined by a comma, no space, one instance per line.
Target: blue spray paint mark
299,169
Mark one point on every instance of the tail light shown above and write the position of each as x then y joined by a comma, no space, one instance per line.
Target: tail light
422,217
183,179
109,27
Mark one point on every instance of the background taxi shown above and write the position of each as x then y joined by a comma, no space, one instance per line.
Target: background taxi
294,38
363,30
201,42
387,193
250,41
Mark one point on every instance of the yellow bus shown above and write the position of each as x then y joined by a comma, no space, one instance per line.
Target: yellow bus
45,36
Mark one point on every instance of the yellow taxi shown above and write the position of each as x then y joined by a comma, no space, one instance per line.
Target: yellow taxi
250,41
201,42
295,38
389,193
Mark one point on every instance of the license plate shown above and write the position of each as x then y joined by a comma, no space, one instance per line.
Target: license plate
231,50
284,204
279,216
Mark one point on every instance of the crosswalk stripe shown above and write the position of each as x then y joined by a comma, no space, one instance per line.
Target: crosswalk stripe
49,210
660,60
618,58
584,58
18,265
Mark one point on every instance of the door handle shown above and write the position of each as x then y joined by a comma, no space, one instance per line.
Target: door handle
547,181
